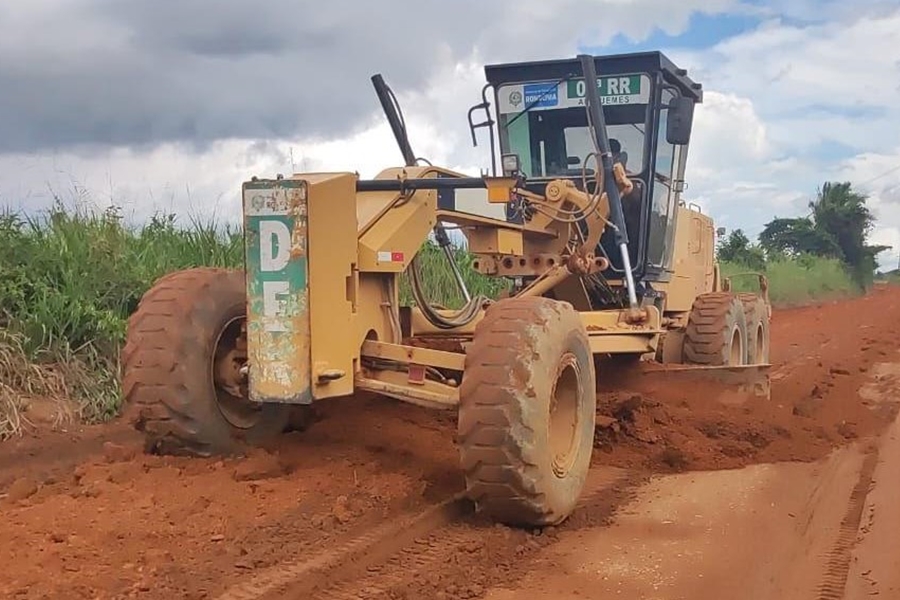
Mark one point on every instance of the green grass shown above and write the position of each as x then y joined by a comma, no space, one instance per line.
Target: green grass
69,279
799,281
892,277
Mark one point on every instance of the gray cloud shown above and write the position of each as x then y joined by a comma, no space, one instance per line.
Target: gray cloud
200,71
138,73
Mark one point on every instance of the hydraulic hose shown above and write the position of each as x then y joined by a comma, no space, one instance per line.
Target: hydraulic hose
467,314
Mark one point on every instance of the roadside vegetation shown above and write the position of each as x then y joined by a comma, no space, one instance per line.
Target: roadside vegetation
70,278
68,281
825,254
892,277
795,281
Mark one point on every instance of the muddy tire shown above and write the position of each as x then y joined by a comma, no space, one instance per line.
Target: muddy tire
173,364
716,333
526,415
756,313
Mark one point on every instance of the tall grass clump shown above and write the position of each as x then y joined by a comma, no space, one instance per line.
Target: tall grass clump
70,278
798,280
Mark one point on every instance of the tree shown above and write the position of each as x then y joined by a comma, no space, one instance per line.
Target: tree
736,248
838,227
842,213
795,237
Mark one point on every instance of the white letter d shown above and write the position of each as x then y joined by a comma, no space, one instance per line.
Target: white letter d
272,234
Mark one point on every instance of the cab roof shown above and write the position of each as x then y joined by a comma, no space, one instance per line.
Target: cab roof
610,64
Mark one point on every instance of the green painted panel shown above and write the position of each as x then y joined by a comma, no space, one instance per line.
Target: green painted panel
275,229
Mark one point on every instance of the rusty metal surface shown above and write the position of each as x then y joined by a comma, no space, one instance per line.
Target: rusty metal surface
278,329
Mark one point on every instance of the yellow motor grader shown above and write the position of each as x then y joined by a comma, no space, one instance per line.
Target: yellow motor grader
583,216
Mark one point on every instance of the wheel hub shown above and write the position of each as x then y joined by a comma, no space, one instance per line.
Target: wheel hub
736,355
564,416
229,377
760,344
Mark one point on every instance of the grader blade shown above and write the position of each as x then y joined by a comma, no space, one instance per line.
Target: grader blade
729,385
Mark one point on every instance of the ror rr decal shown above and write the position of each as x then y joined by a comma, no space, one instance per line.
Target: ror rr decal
549,95
275,229
626,89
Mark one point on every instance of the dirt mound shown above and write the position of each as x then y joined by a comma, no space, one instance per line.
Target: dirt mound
640,432
675,432
823,360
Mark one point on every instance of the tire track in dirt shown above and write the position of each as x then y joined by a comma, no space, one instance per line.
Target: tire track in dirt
390,556
402,574
436,548
351,557
837,568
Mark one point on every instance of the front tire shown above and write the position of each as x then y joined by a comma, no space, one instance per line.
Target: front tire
181,365
527,409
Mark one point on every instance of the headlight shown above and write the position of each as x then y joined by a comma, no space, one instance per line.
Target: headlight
510,164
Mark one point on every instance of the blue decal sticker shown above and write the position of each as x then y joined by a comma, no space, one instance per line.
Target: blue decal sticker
541,94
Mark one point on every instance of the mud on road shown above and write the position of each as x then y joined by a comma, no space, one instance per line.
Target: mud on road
353,507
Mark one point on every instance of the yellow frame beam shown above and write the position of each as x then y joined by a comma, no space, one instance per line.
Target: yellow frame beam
440,359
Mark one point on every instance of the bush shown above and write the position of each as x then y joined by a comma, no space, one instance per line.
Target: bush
70,279
797,281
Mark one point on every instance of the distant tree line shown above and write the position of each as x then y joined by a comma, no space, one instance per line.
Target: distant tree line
837,227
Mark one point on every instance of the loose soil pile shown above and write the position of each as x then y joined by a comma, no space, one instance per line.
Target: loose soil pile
821,358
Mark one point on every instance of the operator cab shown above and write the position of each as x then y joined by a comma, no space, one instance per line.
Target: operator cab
543,134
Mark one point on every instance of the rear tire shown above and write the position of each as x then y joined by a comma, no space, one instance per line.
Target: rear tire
183,345
756,312
716,333
526,415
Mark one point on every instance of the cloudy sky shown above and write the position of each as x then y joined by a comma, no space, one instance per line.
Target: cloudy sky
170,104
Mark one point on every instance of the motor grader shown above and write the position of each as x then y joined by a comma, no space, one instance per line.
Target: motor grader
582,215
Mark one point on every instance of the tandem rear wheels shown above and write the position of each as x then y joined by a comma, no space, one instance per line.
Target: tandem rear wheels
526,414
182,363
726,329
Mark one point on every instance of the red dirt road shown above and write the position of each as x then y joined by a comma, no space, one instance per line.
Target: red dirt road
87,515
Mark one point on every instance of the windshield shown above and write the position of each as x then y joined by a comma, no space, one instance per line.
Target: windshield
546,124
